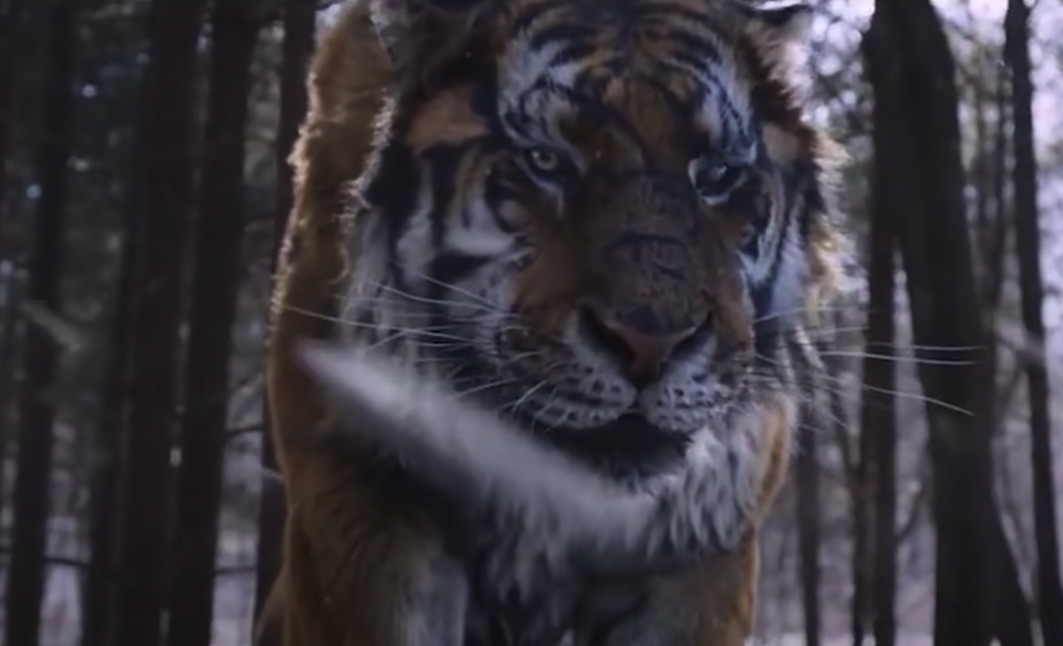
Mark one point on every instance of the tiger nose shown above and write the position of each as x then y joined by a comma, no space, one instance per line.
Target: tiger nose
644,352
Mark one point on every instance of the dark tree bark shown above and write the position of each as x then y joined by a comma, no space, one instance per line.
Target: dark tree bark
10,16
1012,618
1028,250
1012,624
9,337
808,530
860,493
299,33
100,586
912,71
216,281
160,197
10,19
25,585
878,419
997,238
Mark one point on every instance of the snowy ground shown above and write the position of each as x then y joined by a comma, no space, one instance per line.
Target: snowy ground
233,611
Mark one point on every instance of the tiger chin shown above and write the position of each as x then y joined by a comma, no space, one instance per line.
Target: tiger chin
583,239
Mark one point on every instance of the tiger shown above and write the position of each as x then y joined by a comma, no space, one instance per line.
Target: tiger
611,223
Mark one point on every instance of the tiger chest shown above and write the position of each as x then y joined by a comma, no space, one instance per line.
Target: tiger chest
561,613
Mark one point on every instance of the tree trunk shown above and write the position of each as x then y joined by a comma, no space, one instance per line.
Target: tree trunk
101,583
9,328
299,33
1012,624
216,281
997,243
878,419
29,540
913,76
10,17
808,530
1013,620
860,493
160,196
1028,250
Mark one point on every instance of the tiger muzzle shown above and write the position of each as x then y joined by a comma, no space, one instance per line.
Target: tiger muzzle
650,306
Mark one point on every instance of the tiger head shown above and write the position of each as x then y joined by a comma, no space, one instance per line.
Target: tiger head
604,217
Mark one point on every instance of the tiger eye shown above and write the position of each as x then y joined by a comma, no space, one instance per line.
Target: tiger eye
544,160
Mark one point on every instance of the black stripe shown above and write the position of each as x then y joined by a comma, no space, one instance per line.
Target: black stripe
538,11
451,267
392,193
771,99
570,52
496,193
770,324
444,161
685,58
695,45
562,33
815,205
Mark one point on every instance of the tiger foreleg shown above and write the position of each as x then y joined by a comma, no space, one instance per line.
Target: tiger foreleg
709,603
555,518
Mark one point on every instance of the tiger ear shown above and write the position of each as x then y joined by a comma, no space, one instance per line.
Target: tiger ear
783,21
780,33
421,34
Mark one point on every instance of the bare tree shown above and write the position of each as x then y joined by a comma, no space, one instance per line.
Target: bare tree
878,419
100,583
1012,618
808,531
861,495
216,280
11,291
160,197
913,75
1028,247
10,18
37,406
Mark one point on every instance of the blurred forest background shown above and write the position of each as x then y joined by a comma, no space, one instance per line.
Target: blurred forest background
142,192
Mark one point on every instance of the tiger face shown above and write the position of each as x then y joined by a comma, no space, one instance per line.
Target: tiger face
597,215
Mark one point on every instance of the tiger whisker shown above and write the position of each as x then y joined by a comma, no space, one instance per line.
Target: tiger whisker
485,306
799,310
455,288
823,332
900,394
528,394
897,359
